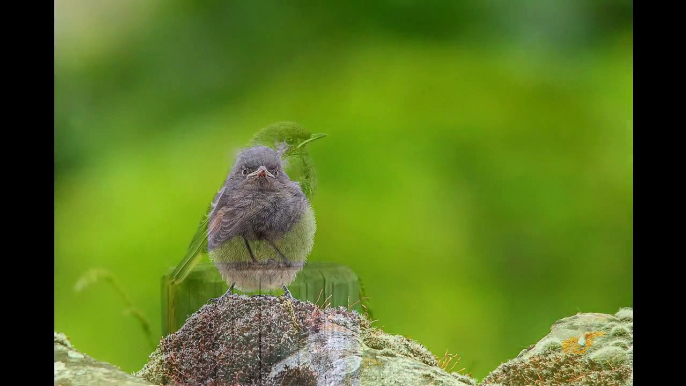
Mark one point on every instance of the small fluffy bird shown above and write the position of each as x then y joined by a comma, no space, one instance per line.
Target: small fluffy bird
292,142
261,226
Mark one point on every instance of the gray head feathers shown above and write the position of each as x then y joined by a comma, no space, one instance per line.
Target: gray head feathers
258,200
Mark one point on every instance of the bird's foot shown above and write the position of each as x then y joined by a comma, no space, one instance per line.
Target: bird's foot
229,292
287,293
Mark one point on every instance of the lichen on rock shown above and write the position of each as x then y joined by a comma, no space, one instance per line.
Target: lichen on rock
584,349
72,368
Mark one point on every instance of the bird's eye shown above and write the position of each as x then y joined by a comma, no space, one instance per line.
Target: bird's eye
275,172
244,171
290,140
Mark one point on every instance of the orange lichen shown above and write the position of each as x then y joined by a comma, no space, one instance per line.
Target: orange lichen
572,346
369,361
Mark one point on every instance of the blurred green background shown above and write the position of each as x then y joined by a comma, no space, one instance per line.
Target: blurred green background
477,174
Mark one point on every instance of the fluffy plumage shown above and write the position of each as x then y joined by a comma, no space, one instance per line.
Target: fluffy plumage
292,142
261,227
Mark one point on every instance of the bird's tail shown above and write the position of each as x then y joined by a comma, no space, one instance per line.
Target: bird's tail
194,252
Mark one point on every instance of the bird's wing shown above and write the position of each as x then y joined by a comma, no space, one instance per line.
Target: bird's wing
198,244
195,250
228,221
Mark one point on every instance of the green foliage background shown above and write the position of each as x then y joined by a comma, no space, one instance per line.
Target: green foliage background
477,174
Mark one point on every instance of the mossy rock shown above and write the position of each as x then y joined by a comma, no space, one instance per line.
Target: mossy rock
334,283
587,349
268,341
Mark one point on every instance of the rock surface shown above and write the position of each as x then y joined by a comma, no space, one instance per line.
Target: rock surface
73,368
584,349
266,340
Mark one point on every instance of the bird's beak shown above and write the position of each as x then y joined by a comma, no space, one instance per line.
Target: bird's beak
261,172
312,138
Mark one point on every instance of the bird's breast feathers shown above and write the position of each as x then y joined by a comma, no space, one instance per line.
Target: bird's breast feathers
295,244
259,216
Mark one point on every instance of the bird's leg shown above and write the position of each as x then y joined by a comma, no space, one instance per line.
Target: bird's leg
229,292
285,260
286,292
247,245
